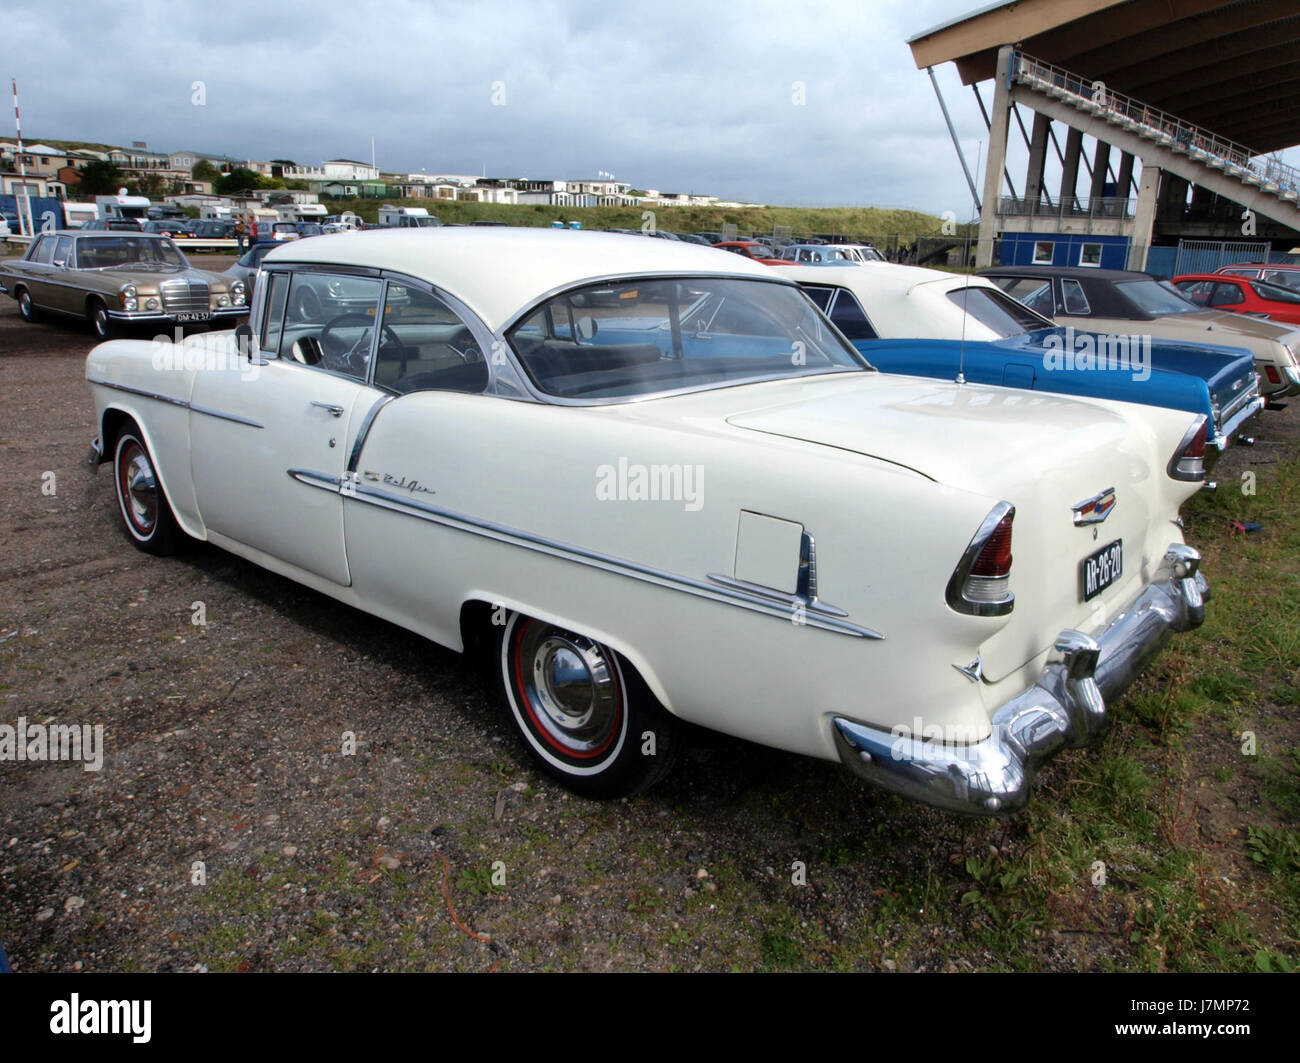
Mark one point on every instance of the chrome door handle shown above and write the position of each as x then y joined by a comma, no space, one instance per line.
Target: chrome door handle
329,407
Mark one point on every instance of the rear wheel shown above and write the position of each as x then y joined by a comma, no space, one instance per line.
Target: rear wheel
26,308
585,715
145,511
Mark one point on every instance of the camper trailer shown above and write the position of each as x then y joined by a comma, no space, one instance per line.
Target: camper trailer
406,217
77,214
123,207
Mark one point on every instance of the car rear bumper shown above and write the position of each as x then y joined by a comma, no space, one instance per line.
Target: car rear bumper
1229,431
1066,706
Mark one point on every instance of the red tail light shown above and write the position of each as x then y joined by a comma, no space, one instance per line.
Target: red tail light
1188,462
994,561
1274,377
981,583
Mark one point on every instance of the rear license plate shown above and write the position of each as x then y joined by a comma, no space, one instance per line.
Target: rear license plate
1098,571
193,317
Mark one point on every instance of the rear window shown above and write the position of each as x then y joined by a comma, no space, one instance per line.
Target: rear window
1275,292
1156,297
643,337
998,311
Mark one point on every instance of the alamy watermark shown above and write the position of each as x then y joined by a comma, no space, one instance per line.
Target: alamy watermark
634,482
53,742
1105,352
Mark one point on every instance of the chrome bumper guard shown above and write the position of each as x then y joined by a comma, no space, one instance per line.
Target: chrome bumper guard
1065,707
1229,431
1290,374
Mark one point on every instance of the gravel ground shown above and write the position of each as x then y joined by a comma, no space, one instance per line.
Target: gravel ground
228,831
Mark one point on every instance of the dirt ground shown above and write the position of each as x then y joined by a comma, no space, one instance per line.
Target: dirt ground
227,832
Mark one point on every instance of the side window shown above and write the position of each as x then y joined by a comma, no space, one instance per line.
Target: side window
425,346
329,321
43,252
273,316
1290,278
850,318
1226,295
820,296
63,251
1072,297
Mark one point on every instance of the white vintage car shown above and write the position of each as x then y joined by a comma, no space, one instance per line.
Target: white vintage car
659,486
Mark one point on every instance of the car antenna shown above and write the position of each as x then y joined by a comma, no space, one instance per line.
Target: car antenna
965,310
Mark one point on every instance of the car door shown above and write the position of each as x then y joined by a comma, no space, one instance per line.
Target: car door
266,437
1226,296
65,292
37,270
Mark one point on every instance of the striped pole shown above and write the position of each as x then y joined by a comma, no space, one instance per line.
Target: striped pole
22,164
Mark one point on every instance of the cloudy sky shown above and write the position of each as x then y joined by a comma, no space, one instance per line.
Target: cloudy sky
679,95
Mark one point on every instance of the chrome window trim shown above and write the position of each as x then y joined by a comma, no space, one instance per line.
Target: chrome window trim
1087,306
759,600
354,458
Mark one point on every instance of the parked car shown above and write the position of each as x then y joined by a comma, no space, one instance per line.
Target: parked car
895,314
817,254
116,279
691,238
1283,273
170,227
245,268
1241,295
111,225
1124,301
841,586
863,252
750,249
212,229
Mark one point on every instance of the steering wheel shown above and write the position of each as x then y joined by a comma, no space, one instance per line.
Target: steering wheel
469,353
353,357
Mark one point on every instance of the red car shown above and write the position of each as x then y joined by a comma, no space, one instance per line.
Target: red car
751,249
1242,295
1282,273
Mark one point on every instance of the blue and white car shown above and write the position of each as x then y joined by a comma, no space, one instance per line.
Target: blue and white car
924,322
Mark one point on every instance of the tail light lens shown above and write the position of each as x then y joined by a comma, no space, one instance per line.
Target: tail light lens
1274,377
1188,462
981,583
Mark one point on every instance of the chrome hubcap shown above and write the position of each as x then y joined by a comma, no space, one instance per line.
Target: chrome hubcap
139,489
571,684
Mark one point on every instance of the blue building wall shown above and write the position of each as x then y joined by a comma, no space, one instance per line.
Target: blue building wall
1018,249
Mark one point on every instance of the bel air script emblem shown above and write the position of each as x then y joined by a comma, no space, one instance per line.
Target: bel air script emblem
1094,510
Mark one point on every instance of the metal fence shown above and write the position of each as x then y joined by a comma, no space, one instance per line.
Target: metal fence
1206,256
1155,124
1069,207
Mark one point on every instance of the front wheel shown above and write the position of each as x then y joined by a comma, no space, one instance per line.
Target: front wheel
104,326
145,511
26,308
584,714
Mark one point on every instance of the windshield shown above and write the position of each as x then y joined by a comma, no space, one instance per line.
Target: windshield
998,311
1157,297
114,252
638,338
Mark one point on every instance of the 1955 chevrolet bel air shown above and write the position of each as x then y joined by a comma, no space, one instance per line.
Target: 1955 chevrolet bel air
660,486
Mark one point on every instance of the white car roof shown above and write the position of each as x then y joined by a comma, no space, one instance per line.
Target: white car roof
499,271
903,302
